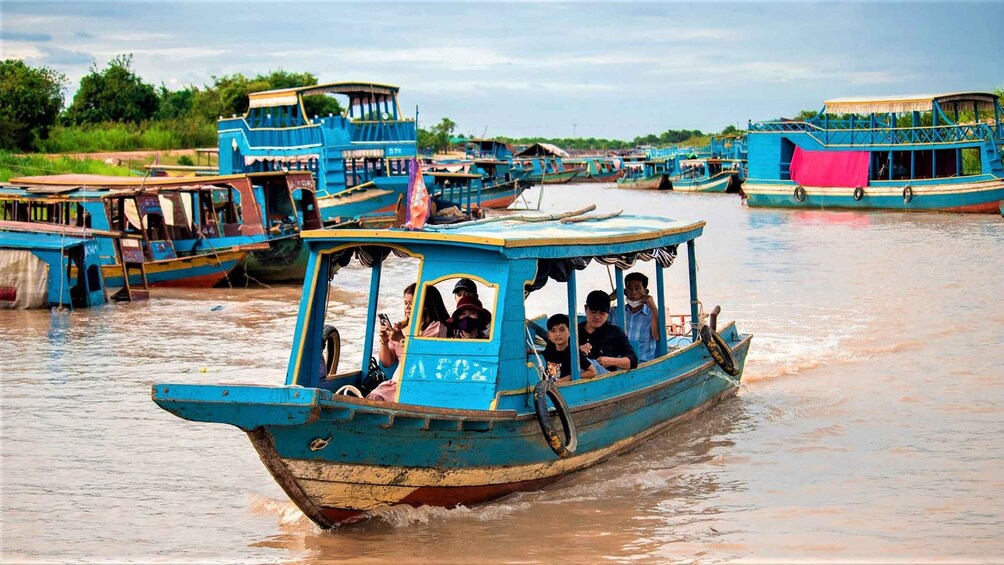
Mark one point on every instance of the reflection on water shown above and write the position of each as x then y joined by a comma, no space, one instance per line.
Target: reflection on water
868,427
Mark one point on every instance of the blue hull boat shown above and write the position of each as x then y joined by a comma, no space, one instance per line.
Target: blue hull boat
915,153
469,420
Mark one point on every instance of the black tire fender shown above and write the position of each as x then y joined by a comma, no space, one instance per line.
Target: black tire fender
562,447
859,193
331,350
907,194
719,350
799,194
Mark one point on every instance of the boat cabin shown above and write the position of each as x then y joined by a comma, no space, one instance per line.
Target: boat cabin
40,270
507,259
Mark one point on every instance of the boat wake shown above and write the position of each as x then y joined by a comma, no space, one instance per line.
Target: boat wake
785,355
402,516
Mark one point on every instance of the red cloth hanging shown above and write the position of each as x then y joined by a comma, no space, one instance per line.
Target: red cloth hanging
830,168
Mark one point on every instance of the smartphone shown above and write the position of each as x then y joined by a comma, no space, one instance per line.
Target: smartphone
384,319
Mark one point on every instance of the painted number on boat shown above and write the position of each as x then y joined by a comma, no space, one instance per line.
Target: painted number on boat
452,369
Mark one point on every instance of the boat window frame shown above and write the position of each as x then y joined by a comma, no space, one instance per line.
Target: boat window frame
413,326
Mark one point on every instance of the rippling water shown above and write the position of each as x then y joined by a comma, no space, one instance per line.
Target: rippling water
869,427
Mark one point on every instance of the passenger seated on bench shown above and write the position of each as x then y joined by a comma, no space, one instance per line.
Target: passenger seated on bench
558,355
605,344
641,316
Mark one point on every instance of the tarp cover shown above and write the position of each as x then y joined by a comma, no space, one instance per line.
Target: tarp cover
28,277
830,168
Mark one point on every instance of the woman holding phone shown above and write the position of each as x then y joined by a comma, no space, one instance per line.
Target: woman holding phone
432,323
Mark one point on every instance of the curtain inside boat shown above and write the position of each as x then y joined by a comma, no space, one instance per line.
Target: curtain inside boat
560,270
830,168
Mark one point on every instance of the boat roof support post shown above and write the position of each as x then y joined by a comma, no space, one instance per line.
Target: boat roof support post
619,318
694,313
660,295
371,312
573,326
308,324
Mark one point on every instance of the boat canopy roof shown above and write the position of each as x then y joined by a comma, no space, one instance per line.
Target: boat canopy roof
583,236
291,96
915,103
65,183
543,149
48,241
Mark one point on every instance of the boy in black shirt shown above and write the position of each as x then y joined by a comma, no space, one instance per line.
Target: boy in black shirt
558,355
604,343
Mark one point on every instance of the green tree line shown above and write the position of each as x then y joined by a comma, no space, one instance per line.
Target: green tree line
114,110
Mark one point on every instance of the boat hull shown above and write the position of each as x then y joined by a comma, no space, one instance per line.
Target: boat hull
371,459
284,261
499,198
200,271
718,183
656,182
980,197
559,177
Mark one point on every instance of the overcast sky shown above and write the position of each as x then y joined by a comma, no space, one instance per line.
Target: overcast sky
541,69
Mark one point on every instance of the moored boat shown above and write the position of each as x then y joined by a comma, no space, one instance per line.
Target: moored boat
707,175
650,174
470,420
42,270
914,153
359,158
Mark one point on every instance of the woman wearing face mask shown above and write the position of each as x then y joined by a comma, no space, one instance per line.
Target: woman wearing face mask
641,317
470,319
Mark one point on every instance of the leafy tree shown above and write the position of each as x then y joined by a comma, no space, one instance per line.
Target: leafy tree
115,94
30,101
805,115
174,103
228,95
731,130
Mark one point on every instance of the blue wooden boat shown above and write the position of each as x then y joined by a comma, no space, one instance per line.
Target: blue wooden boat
259,213
543,163
472,419
359,159
647,174
42,270
707,175
597,169
916,153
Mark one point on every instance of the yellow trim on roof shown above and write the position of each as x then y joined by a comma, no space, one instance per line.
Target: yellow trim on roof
366,234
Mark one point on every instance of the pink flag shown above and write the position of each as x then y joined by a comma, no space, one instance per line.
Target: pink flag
417,199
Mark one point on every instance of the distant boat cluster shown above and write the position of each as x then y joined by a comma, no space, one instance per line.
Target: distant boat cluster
75,240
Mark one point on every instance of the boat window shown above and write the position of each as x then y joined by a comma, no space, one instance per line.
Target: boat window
469,302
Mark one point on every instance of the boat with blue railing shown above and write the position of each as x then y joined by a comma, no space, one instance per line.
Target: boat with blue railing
359,158
469,420
917,153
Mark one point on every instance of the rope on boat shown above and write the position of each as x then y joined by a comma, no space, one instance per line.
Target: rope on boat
527,219
319,444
